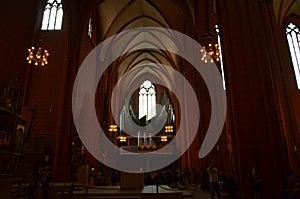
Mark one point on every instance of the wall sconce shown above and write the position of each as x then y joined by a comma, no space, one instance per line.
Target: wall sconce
164,138
113,128
82,150
122,138
168,129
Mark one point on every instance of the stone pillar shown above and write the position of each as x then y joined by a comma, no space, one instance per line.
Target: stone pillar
252,89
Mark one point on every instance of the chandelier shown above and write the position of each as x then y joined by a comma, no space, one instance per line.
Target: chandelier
38,56
211,51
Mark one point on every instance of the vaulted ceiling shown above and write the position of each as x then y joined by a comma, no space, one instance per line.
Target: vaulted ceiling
116,16
285,8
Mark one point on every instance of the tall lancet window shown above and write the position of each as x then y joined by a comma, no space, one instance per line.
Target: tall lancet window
147,100
221,58
293,38
90,28
53,15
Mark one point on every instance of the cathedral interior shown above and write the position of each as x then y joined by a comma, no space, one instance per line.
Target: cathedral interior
183,83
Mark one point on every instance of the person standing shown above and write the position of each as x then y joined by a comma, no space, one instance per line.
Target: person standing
32,180
213,181
196,177
45,182
257,181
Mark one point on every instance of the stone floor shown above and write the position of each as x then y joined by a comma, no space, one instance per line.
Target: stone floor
63,190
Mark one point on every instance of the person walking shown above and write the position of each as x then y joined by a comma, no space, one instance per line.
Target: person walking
213,181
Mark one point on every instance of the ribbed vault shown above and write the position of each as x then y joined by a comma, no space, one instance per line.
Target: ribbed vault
116,16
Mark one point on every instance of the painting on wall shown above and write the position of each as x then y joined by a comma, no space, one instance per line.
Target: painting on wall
5,138
19,138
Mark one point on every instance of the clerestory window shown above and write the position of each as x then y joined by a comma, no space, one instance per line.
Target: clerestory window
53,15
221,58
90,28
293,38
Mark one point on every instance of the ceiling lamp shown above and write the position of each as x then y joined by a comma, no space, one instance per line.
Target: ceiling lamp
211,51
38,56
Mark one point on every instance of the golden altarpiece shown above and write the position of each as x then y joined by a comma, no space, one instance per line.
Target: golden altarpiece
13,129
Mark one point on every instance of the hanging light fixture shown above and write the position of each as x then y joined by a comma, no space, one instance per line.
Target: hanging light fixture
211,48
210,51
38,56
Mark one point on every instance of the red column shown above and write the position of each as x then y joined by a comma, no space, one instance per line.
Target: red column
256,118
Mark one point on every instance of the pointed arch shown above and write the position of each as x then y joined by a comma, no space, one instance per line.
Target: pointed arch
147,100
293,38
53,15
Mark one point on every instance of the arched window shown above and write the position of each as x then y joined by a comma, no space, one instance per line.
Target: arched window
221,58
53,15
147,100
90,28
293,38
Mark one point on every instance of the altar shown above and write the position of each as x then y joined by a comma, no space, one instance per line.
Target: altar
12,129
13,132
